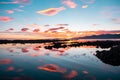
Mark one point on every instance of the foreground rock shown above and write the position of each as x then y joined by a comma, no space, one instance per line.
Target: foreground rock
111,56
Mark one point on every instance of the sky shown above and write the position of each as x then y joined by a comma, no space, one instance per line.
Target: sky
56,18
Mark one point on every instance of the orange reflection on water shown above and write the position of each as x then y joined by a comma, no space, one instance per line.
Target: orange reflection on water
35,54
36,48
58,50
19,70
85,72
52,68
87,46
61,50
11,68
25,50
72,74
5,61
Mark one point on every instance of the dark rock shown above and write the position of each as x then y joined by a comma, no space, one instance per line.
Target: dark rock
111,56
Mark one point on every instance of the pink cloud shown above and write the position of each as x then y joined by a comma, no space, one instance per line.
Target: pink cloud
16,2
46,25
51,11
5,18
10,11
54,29
70,3
10,29
36,48
24,29
116,20
36,30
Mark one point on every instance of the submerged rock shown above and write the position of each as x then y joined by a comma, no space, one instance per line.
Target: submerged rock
111,56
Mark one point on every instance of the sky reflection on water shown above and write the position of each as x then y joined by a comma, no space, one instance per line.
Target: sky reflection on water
33,62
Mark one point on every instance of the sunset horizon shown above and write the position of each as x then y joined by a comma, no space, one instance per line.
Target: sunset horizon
59,39
37,19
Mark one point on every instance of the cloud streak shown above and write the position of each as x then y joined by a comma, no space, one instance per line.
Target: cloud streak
36,30
16,2
51,11
88,1
85,6
10,11
116,20
54,29
5,18
70,3
24,29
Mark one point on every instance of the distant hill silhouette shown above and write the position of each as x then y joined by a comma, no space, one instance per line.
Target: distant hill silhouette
103,36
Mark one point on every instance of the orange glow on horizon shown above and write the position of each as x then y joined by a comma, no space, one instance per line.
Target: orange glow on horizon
52,33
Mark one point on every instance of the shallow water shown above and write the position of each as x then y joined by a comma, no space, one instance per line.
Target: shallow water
34,62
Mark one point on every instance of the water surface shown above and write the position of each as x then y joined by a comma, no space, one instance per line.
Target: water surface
34,62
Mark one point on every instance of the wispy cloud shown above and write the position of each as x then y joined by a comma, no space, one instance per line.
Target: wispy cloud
88,1
5,18
60,25
24,29
54,29
51,33
51,11
85,6
10,29
95,24
116,20
10,11
34,25
21,6
110,11
36,30
18,10
16,2
70,3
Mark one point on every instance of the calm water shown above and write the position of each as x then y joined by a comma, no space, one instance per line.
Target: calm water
34,62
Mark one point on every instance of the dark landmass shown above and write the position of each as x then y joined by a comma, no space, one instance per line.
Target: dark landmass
64,43
111,56
30,41
101,44
103,36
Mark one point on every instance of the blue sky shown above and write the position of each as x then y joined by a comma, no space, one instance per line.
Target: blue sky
98,15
